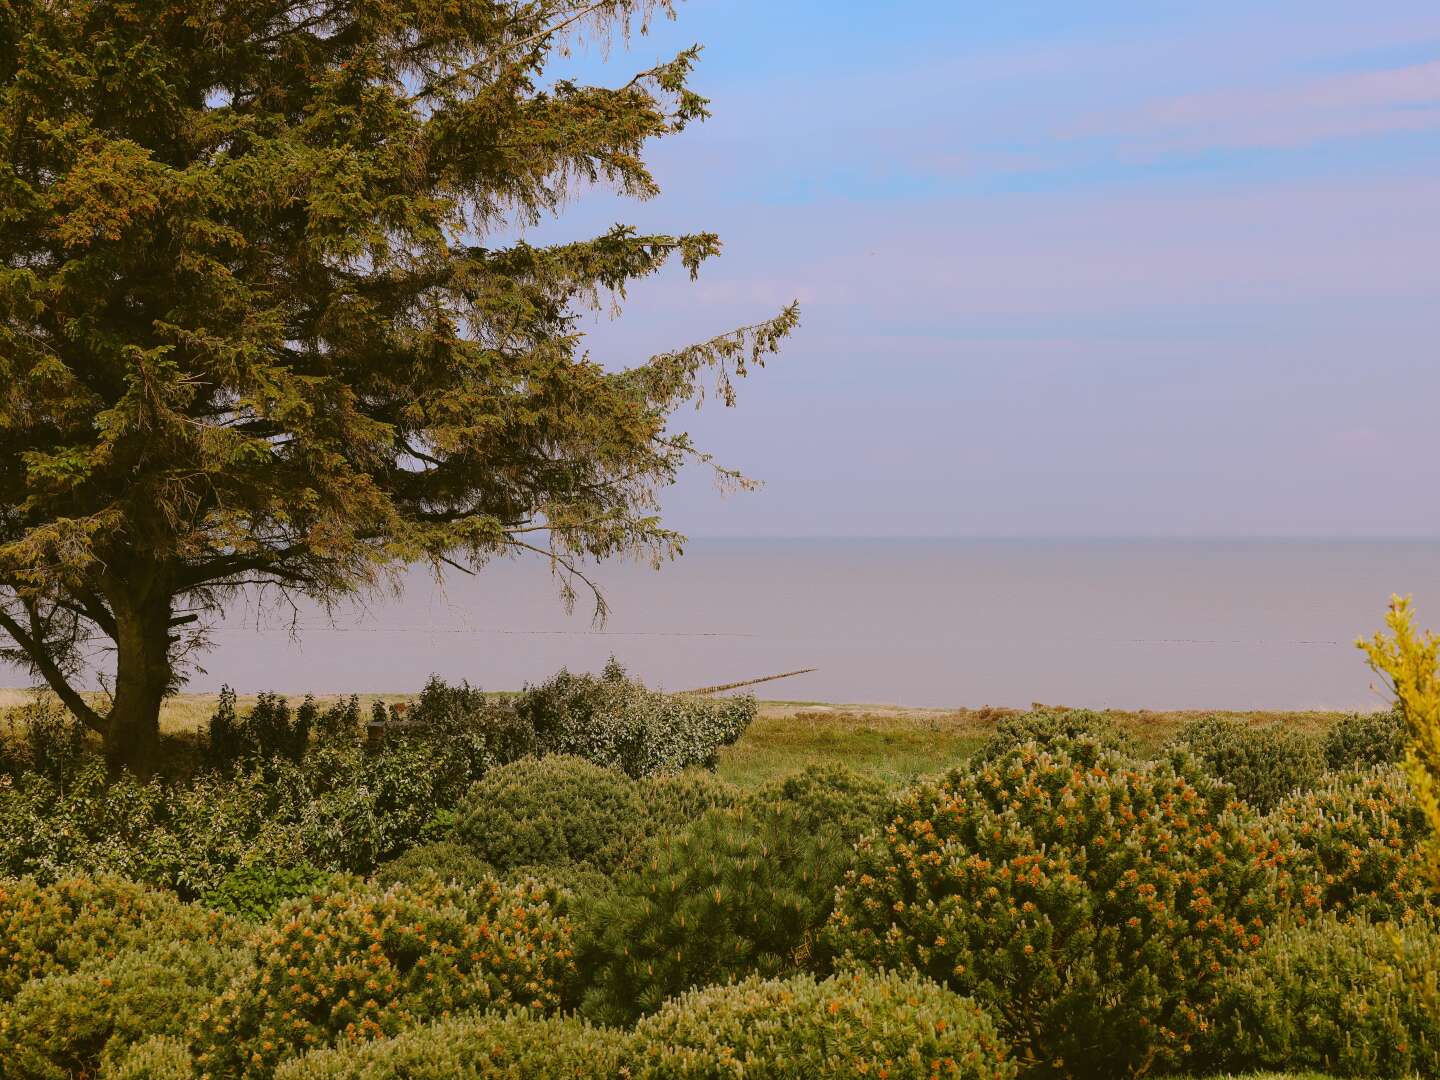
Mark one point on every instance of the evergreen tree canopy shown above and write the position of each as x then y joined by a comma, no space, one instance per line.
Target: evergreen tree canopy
252,332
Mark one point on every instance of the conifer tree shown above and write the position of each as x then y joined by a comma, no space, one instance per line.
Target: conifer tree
260,324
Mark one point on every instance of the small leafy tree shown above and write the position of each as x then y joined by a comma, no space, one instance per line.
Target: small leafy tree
261,324
1408,659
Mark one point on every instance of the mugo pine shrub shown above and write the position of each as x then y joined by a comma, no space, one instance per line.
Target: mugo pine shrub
552,811
1354,847
1081,730
741,891
1262,764
56,928
357,965
1364,741
477,1046
1344,999
615,721
1093,908
67,1023
855,1024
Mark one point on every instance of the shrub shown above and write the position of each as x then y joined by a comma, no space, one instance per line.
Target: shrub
849,1025
1365,740
1354,847
256,891
484,1046
614,721
269,730
673,800
552,811
1053,727
50,742
341,724
355,965
46,929
446,861
1092,908
1345,999
739,892
1408,659
831,795
163,1057
1263,765
64,1024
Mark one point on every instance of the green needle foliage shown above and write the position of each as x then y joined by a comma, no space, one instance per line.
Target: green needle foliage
261,324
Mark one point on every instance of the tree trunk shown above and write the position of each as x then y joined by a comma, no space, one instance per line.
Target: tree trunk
143,677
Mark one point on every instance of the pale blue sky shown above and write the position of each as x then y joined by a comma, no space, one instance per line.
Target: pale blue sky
1066,269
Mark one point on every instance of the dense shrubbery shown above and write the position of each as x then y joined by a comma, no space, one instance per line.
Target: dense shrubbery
1106,912
612,720
1079,730
1093,908
66,1023
1353,847
484,1046
358,964
1349,999
849,1025
1365,740
1263,764
741,891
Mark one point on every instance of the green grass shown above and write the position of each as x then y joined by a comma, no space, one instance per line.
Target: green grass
900,744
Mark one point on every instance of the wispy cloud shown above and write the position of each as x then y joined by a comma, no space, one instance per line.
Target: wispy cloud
1299,112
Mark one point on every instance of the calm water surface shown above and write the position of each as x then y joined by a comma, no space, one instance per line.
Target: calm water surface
1129,624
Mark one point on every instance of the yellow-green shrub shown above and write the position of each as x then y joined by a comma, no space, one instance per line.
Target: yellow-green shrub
360,964
1409,660
64,1024
480,1046
855,1024
1094,908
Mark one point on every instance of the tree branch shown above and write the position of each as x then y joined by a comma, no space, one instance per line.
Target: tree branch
47,668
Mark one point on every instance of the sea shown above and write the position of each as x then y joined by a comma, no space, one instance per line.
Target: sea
1158,624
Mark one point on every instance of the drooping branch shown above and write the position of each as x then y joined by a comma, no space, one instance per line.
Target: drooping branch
39,657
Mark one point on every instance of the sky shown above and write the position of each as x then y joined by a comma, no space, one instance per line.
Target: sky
1101,269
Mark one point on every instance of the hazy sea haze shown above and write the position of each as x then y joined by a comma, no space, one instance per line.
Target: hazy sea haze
945,622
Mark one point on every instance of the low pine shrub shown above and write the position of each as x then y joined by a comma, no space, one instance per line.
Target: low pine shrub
1080,731
360,964
1263,765
1094,909
55,928
1364,741
673,800
741,891
256,890
447,861
481,1046
163,1057
552,811
1345,999
849,1025
67,1023
1354,847
615,721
